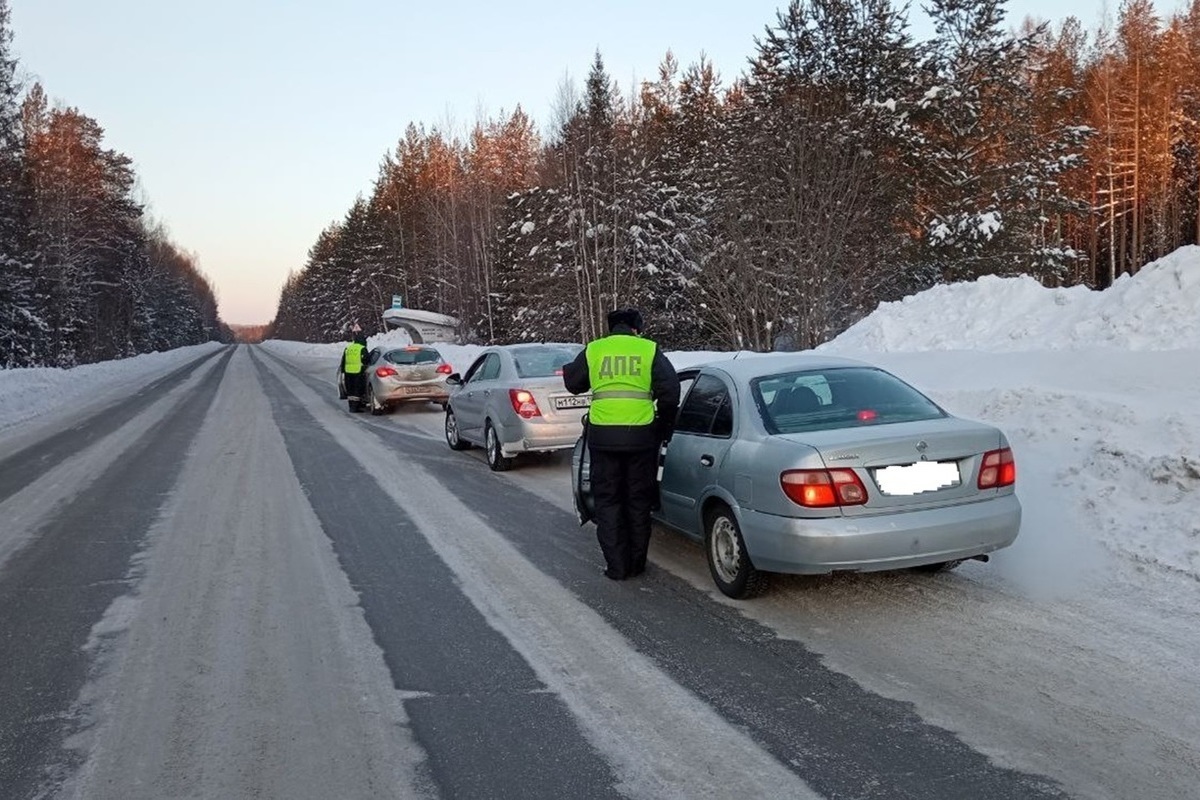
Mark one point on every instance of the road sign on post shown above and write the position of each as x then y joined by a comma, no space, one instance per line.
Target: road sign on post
397,301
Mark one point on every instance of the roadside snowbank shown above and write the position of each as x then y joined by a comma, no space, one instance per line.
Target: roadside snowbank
1156,309
26,394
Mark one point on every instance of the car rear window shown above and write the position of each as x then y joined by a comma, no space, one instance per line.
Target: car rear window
846,397
543,361
419,356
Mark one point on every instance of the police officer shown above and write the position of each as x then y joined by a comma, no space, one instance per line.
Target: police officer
635,396
353,365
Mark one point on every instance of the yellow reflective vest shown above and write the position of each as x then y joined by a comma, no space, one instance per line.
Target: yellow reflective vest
619,370
354,358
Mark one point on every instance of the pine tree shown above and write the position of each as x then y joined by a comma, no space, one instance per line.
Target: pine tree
21,314
990,174
808,209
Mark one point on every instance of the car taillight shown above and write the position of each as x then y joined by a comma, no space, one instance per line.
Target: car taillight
444,369
997,469
384,372
524,404
823,488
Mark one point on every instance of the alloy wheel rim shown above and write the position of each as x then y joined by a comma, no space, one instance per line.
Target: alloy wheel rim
725,550
451,429
492,444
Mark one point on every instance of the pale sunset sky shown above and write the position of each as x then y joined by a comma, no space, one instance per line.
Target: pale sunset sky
253,124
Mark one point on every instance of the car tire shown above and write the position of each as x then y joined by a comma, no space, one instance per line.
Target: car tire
455,441
728,561
376,407
491,445
938,566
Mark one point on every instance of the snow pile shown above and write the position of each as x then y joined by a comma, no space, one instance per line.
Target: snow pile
1156,309
26,394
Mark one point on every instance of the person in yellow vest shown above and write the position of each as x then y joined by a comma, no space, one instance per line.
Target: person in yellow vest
354,368
635,396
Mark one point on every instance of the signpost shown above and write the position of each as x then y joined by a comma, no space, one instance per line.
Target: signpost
397,301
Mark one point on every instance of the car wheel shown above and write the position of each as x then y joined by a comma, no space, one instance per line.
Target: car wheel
728,560
495,456
939,566
373,403
455,441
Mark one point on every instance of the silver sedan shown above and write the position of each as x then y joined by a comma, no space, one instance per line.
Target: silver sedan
511,400
810,464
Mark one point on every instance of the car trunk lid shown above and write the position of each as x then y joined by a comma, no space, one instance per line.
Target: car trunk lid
554,401
417,372
911,465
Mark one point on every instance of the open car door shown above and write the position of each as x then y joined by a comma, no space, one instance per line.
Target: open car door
581,479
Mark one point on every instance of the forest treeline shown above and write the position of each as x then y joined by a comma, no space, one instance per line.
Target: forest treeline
84,276
849,164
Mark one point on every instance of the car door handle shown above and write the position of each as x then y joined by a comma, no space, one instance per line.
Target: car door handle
706,460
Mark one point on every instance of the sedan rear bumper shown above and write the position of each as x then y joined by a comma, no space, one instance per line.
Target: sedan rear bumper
889,541
543,436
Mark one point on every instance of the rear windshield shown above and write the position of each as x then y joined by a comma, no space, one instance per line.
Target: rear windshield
421,356
846,397
544,360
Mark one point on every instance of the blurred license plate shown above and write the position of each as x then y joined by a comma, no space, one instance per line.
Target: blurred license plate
924,476
572,401
415,389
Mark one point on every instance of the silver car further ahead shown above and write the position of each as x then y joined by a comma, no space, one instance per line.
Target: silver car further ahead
811,464
512,400
405,374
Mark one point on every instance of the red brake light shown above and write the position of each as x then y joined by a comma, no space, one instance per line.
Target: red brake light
867,415
997,469
823,488
524,404
384,372
444,369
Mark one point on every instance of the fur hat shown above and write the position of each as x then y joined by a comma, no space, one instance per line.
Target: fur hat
625,316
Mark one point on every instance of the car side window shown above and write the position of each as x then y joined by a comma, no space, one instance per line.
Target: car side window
491,368
473,371
703,405
723,421
373,356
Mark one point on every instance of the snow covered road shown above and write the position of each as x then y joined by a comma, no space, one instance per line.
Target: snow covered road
232,588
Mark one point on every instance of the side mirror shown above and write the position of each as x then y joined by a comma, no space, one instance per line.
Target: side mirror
454,379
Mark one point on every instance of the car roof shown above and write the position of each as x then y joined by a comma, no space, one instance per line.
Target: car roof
532,345
746,367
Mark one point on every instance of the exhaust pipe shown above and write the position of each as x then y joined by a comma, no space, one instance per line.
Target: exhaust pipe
981,557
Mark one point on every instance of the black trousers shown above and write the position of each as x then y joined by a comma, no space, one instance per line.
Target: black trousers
356,384
624,490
